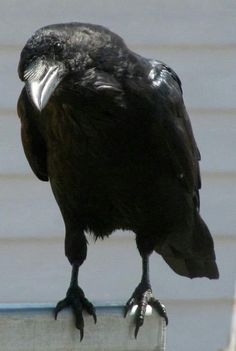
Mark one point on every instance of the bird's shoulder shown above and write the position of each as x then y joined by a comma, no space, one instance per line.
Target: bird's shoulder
165,81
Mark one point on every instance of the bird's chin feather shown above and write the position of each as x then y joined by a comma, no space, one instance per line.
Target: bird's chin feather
41,81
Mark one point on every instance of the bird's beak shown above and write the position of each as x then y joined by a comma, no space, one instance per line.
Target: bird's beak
41,80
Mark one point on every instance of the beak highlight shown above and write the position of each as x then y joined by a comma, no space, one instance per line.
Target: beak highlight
41,82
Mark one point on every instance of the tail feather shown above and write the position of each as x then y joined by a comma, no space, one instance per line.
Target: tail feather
193,268
199,261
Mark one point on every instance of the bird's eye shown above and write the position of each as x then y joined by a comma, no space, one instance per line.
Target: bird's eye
58,47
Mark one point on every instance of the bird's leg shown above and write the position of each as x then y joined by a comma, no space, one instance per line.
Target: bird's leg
76,299
142,296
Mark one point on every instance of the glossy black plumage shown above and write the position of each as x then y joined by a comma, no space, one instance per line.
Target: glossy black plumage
116,143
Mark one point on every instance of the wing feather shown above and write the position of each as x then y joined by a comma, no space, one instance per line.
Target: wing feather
33,143
176,127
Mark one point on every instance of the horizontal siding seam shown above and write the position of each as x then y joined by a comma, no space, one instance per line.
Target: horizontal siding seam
217,175
147,46
4,307
58,238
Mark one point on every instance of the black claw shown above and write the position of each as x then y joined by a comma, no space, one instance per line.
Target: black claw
76,299
94,317
129,305
160,308
55,314
139,323
60,306
140,314
142,296
136,331
79,323
125,311
88,306
81,334
166,320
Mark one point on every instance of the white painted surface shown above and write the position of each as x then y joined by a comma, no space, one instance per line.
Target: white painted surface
232,341
35,270
201,328
198,40
33,328
167,22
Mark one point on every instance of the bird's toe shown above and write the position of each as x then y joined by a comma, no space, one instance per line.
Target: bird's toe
79,320
159,308
76,299
130,303
60,306
142,297
89,308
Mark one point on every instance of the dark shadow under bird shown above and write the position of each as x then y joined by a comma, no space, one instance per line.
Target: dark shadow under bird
109,130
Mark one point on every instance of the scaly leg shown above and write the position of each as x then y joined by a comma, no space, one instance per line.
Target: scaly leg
76,299
142,296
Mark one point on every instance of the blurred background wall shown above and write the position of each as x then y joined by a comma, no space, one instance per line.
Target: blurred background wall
198,40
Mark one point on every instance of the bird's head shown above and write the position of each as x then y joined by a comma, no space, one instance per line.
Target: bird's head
57,51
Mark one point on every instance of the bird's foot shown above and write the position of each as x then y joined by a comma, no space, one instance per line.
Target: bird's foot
142,297
76,299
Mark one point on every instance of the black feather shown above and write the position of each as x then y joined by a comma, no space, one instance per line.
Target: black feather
116,143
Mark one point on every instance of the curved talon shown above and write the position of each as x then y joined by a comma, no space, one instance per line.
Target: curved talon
88,306
81,334
60,306
140,313
125,311
79,321
159,307
142,296
94,317
136,331
76,299
128,306
139,320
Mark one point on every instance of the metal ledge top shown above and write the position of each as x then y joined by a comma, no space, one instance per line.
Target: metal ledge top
31,327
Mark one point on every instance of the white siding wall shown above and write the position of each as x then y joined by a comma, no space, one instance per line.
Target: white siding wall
197,38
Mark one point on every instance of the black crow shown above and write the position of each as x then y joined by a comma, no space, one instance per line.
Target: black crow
109,129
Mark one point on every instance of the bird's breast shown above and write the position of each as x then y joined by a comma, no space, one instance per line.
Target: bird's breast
105,173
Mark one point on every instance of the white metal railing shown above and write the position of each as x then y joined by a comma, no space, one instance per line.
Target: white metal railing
232,342
31,327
